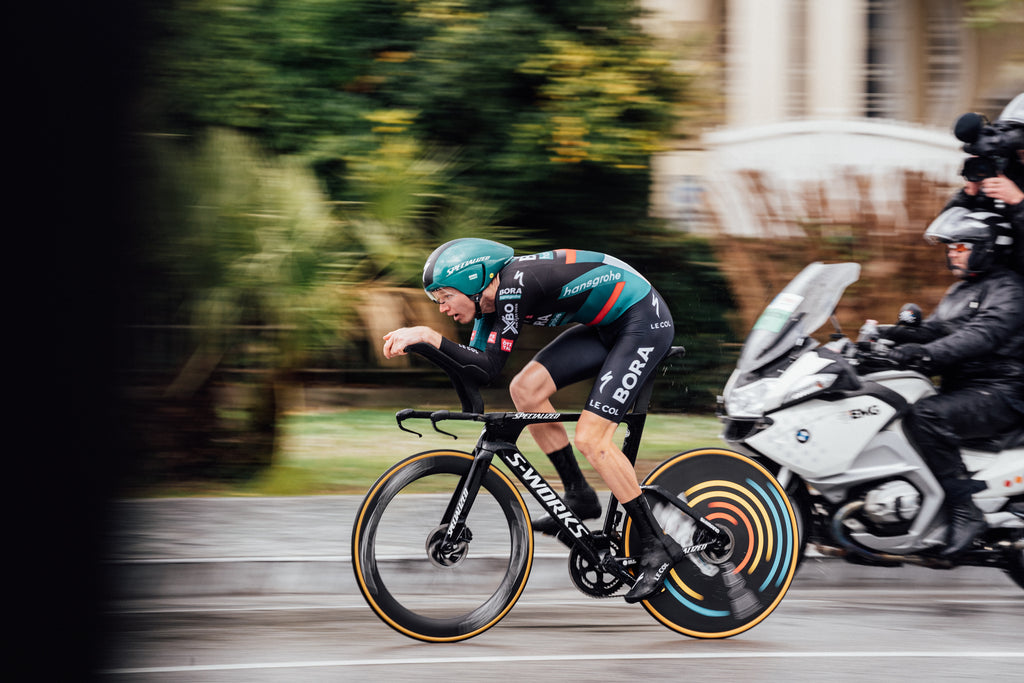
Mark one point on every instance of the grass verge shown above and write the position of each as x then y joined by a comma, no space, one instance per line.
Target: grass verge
345,451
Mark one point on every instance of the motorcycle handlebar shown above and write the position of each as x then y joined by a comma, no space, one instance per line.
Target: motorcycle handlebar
877,358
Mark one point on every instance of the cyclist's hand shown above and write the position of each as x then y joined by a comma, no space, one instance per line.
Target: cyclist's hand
396,341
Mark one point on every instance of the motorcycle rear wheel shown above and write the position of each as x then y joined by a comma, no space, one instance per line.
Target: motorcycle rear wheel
1016,568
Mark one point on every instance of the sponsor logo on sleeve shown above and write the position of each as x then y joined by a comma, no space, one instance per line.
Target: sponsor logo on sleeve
510,318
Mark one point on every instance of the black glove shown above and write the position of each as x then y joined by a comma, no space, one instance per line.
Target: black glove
902,334
907,355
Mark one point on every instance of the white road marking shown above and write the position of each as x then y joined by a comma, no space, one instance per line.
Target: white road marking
420,661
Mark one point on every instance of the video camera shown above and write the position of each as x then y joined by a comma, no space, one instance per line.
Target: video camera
992,145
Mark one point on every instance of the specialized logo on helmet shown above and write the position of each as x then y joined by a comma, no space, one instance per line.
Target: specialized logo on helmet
464,264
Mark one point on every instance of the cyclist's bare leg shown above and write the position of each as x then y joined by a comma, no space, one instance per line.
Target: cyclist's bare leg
531,392
657,552
594,440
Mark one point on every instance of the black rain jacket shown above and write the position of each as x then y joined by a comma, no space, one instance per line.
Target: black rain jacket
976,335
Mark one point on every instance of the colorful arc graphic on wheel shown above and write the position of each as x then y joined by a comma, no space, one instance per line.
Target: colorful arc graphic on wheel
720,595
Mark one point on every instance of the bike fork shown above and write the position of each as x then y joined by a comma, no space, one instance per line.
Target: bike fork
457,534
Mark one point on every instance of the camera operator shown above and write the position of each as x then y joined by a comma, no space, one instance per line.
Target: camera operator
994,174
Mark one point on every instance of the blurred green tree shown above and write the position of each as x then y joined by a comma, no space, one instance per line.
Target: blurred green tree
244,254
553,109
312,149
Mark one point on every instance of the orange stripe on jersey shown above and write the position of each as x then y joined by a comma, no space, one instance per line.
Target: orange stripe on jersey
608,304
570,255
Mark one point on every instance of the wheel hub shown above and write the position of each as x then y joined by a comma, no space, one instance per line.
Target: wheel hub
722,549
443,554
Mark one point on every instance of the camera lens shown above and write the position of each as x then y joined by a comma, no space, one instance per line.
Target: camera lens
977,169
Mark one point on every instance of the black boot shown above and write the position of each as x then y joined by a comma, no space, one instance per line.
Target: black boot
658,552
966,520
579,496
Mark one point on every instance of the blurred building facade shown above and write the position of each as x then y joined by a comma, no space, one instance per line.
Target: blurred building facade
834,96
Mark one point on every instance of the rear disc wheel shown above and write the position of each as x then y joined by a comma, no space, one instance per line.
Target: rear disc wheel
731,587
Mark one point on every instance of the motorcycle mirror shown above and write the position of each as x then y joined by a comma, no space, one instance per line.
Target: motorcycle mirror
909,315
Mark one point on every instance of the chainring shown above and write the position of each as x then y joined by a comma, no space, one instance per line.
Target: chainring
590,578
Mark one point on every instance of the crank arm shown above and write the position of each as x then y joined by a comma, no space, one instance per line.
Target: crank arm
705,525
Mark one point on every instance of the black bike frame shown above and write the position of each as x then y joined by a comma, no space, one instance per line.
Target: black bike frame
500,433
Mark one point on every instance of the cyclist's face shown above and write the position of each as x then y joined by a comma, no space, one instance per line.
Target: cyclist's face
455,304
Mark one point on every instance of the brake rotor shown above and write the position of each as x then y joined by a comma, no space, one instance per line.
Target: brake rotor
441,556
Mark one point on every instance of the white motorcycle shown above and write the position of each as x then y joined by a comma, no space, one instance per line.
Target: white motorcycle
827,419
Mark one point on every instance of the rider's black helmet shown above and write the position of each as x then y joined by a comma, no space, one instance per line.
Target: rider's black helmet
989,235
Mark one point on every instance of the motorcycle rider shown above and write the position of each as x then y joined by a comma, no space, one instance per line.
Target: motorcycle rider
626,330
975,341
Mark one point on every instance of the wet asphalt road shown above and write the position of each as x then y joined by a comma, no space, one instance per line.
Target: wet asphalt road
953,630
213,590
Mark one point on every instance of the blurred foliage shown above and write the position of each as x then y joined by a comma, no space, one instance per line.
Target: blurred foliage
260,246
989,14
551,109
301,153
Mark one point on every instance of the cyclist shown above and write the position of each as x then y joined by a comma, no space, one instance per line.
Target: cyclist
621,329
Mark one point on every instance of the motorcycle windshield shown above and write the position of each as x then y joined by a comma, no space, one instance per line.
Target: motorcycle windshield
796,312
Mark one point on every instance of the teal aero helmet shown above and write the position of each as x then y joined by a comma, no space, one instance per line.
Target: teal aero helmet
468,265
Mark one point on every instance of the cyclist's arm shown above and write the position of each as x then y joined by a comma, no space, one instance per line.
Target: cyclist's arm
396,340
489,361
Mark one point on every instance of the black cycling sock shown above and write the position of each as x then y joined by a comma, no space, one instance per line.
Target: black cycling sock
639,510
568,469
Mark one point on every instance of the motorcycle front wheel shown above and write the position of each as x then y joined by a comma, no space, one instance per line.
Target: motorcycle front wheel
721,592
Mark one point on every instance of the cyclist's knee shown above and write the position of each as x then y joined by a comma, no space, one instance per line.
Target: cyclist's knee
594,438
519,393
531,386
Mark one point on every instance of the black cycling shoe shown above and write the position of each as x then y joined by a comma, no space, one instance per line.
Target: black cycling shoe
658,551
658,556
583,503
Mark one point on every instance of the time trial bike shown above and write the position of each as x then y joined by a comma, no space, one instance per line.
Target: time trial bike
442,545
